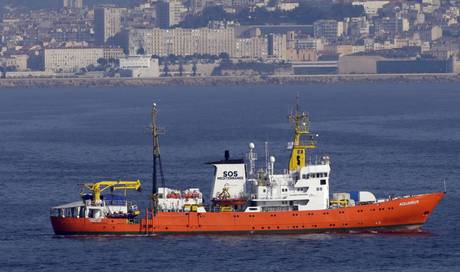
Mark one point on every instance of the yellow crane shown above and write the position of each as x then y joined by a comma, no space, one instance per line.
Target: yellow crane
98,187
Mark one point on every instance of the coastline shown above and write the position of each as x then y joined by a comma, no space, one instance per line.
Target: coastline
222,80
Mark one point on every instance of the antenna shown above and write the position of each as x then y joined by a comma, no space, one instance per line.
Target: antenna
297,100
156,131
252,157
272,165
303,140
267,166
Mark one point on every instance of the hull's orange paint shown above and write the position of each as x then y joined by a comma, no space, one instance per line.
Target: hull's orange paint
392,214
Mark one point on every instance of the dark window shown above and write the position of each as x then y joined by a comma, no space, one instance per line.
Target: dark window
323,182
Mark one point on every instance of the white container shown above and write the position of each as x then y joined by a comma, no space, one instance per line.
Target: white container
366,197
341,196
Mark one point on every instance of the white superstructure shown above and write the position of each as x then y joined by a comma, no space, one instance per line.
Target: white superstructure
307,189
241,186
303,189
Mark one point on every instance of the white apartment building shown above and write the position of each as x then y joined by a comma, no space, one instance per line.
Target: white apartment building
277,46
107,24
371,8
70,59
170,12
255,47
19,62
72,3
179,41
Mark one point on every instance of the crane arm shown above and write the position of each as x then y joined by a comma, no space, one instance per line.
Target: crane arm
98,187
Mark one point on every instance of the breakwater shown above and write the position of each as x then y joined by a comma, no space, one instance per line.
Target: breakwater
221,80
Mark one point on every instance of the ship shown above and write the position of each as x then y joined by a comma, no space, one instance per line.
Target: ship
245,199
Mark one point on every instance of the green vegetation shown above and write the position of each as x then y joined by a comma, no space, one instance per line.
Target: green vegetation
108,66
6,69
304,14
203,58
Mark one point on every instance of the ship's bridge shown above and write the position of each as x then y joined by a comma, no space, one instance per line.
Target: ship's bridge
316,174
305,189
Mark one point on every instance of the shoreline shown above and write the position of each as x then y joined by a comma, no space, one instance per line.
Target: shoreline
223,80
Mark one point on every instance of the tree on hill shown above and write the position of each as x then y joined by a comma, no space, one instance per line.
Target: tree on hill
306,13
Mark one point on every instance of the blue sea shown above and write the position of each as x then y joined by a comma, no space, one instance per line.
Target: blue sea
388,138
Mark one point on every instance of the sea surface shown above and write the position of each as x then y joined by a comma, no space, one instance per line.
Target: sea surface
391,139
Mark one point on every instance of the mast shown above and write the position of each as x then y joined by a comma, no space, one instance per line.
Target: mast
303,139
156,131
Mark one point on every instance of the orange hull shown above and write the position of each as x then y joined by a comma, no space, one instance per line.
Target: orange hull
397,214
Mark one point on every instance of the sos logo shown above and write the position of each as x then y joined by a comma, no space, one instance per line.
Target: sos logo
230,174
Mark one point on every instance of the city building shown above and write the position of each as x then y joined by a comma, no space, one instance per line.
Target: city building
355,64
70,59
197,6
254,47
277,46
107,25
358,27
309,43
371,8
181,42
140,66
305,54
288,5
170,13
427,33
330,30
390,26
114,53
153,28
373,64
14,62
414,66
72,3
